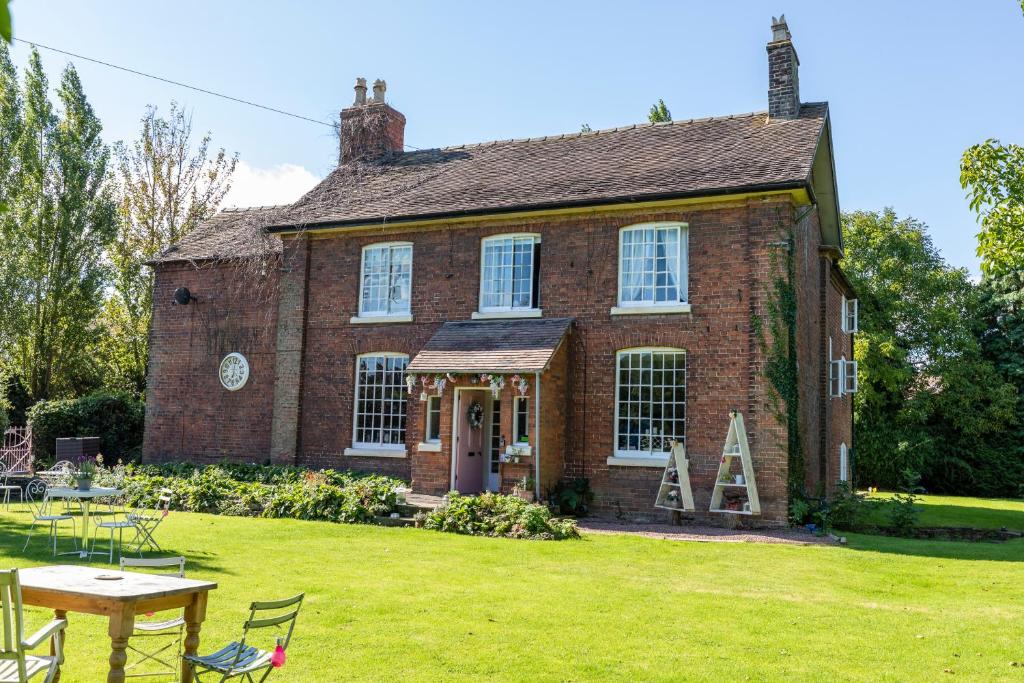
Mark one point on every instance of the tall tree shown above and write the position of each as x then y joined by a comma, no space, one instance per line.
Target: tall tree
928,400
993,175
62,220
659,113
165,187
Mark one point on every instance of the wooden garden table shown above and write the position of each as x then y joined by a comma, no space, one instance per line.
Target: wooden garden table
68,588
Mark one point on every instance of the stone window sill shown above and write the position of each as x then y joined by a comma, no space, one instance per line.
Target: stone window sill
637,462
429,447
501,315
375,452
650,310
380,319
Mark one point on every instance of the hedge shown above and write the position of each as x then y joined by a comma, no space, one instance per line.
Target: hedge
117,418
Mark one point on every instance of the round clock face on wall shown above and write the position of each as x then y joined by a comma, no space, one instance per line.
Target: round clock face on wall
234,371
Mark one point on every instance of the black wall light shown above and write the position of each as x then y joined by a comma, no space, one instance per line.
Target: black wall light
182,297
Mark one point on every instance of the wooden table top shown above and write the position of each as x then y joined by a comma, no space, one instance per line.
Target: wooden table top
94,492
128,587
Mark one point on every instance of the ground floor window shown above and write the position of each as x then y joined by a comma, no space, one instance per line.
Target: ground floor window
433,434
521,432
650,408
380,401
844,462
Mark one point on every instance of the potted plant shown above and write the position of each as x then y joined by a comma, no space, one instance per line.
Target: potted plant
86,472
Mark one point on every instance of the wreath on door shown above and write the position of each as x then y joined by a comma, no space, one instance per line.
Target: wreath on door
475,415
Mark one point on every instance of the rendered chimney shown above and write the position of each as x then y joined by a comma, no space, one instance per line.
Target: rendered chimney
783,73
370,130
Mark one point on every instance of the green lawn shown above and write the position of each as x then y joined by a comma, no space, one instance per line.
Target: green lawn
412,605
962,511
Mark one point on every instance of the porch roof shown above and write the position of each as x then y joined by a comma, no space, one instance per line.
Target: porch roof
499,346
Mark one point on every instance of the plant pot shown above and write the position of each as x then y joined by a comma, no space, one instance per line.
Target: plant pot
84,484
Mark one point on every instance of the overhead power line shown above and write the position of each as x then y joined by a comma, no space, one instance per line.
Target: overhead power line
178,83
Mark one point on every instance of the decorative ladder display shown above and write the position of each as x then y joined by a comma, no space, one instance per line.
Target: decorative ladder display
736,446
674,492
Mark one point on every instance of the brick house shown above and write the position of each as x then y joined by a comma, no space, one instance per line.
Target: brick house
548,308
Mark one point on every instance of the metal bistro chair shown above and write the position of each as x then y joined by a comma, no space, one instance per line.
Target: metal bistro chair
43,513
171,630
239,660
147,520
16,665
7,488
118,520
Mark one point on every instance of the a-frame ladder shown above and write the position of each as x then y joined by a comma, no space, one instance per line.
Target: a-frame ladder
675,492
736,446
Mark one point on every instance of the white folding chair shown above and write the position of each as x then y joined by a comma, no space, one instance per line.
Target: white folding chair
16,665
168,631
118,520
147,520
43,513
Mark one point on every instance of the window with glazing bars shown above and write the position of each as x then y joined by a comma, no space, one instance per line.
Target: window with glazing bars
508,277
380,401
652,265
387,279
650,402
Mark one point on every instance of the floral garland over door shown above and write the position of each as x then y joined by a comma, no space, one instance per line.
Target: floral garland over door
438,382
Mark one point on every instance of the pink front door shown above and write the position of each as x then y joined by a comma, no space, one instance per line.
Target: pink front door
470,444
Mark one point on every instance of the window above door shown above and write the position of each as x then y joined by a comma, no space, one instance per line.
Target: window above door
509,277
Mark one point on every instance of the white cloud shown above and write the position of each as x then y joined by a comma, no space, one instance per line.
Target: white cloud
281,184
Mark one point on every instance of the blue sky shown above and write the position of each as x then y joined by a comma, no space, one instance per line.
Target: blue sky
911,84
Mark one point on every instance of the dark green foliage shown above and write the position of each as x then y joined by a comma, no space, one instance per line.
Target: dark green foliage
571,497
116,418
490,514
18,400
266,491
931,400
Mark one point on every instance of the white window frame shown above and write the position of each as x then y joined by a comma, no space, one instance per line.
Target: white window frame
844,462
397,315
682,305
836,378
647,457
849,376
370,448
516,402
427,438
850,315
512,311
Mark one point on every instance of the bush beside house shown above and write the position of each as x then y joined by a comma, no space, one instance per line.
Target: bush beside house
116,418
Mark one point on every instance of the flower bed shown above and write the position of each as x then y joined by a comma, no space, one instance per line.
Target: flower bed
490,514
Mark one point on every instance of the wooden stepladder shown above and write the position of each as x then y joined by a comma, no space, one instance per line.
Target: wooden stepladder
736,446
674,492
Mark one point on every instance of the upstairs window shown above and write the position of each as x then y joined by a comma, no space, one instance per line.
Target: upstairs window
653,265
842,377
851,314
386,279
510,266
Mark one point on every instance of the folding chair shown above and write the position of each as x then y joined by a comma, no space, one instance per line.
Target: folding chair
169,631
146,522
239,660
43,513
16,666
7,488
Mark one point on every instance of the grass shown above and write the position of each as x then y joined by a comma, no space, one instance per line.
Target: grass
413,605
963,511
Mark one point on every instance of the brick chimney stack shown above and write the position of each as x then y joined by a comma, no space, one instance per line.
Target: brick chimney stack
370,130
783,73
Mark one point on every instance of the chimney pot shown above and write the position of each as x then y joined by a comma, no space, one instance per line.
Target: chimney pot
379,88
360,92
780,29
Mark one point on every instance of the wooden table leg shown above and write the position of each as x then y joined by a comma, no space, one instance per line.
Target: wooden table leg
122,623
195,614
58,614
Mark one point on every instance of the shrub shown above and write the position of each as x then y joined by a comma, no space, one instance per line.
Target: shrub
571,497
116,418
490,514
264,491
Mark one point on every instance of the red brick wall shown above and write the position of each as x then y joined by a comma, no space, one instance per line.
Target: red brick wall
839,418
189,415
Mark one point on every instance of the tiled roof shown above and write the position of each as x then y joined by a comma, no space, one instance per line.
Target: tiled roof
500,346
231,233
682,158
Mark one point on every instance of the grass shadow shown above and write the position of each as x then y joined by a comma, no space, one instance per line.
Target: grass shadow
1007,551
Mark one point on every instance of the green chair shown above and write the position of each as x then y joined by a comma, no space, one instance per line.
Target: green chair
167,631
241,660
15,665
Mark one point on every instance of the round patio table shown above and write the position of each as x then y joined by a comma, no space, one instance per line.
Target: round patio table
85,498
